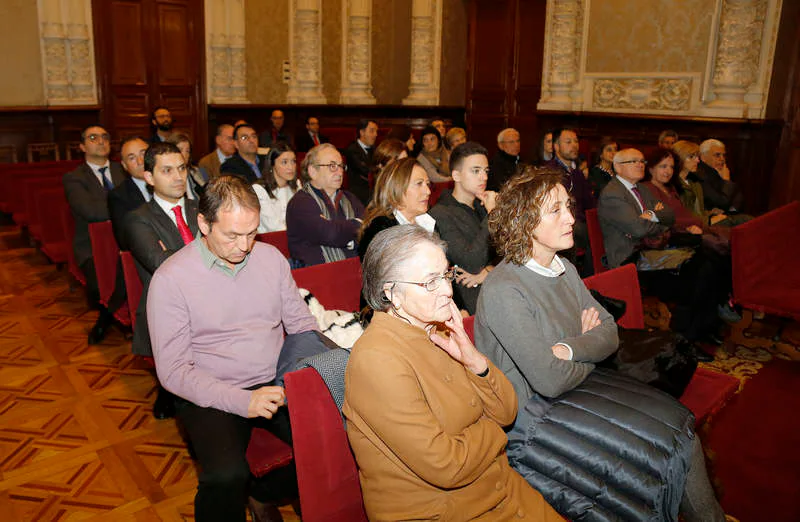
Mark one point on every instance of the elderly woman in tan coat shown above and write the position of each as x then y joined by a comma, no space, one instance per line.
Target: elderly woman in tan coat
425,409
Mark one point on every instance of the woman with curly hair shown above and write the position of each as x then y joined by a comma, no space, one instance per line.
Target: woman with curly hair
597,445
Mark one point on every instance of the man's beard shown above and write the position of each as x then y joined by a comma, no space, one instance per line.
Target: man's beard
165,126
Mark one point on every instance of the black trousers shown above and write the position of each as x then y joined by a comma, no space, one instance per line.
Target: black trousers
220,440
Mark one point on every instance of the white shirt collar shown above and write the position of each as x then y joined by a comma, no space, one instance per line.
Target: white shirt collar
142,186
166,206
628,185
361,144
96,170
222,157
555,269
426,221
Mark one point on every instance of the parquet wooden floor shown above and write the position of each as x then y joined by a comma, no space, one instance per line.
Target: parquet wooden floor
77,438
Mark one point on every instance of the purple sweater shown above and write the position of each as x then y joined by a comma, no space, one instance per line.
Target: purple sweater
214,334
306,229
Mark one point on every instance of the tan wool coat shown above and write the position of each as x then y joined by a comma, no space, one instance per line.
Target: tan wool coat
427,433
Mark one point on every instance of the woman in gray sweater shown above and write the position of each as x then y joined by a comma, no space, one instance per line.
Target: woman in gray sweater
597,445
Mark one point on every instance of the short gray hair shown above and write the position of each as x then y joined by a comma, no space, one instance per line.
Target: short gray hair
706,146
387,254
501,136
311,159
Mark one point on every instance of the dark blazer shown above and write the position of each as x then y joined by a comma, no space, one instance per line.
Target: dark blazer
502,166
123,199
623,229
238,166
466,231
378,224
88,201
358,165
144,228
717,192
265,140
304,143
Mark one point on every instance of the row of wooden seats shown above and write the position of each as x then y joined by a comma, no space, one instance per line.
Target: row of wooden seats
48,151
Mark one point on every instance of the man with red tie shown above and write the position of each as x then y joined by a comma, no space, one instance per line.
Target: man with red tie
311,137
155,231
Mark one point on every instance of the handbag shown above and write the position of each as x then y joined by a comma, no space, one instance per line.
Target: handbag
662,359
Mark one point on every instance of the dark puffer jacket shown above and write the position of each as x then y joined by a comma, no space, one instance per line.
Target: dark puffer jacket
611,449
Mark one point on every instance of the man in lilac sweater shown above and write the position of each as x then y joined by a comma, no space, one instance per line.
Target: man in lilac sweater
217,312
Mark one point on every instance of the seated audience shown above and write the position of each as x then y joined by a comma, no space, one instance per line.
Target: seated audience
455,137
389,151
439,125
504,162
401,197
156,230
688,186
667,139
311,137
86,189
432,155
160,124
404,134
276,132
719,192
636,229
277,186
220,312
247,162
461,216
131,193
566,160
210,163
322,220
544,152
359,157
428,447
578,427
195,181
602,173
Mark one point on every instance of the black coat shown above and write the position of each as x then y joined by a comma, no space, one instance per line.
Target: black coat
123,199
238,166
304,143
626,446
358,165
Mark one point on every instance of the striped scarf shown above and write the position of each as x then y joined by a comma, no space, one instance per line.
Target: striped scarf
328,252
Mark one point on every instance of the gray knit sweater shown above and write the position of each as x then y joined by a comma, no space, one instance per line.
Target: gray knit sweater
522,314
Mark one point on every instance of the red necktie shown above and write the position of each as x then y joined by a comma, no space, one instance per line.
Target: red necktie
638,195
183,228
316,140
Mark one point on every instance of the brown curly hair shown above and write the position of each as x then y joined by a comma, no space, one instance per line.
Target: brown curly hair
519,211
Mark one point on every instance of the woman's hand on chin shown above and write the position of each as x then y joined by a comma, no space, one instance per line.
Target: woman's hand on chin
458,345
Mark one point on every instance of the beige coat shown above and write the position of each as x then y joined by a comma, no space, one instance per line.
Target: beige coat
210,163
427,435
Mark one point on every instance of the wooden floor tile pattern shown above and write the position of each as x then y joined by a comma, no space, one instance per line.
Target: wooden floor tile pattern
77,437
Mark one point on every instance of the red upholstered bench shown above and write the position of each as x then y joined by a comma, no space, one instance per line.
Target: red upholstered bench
337,286
105,253
277,239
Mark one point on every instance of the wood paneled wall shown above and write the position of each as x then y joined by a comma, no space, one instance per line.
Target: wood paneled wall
20,126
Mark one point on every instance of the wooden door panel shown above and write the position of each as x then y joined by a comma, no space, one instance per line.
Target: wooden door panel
177,64
127,64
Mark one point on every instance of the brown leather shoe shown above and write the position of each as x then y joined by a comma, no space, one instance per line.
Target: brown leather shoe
264,512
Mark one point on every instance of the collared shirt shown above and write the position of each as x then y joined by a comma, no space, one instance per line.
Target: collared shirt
426,221
253,166
222,157
142,186
210,260
96,170
555,269
630,186
361,144
166,206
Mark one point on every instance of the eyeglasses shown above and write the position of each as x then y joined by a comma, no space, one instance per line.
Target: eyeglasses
433,284
639,161
248,137
332,166
94,138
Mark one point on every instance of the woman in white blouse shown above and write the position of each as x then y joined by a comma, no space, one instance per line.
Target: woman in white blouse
276,187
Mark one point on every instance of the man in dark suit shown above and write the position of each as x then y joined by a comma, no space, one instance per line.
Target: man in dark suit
311,137
276,133
161,123
87,189
246,163
155,231
358,156
634,223
131,193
